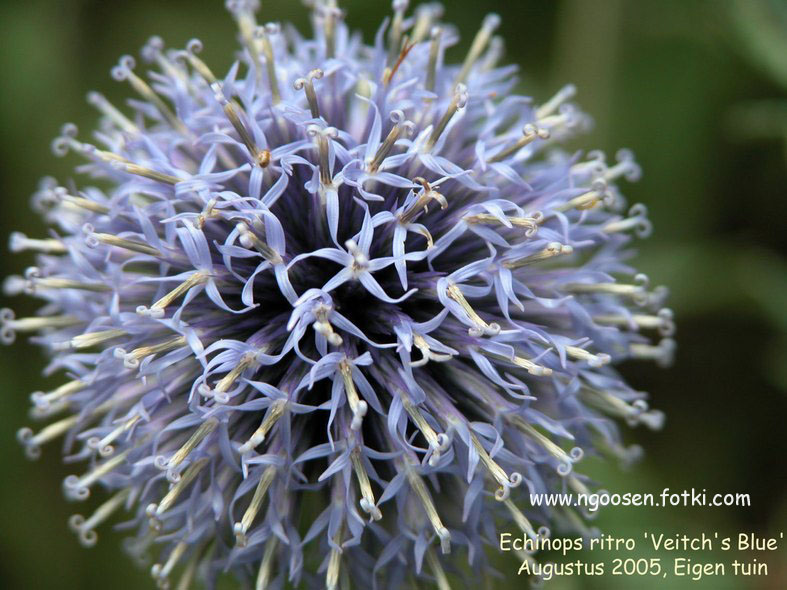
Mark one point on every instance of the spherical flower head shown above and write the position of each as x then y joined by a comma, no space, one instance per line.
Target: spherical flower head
333,314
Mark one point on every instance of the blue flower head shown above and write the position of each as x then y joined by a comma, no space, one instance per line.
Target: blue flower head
329,317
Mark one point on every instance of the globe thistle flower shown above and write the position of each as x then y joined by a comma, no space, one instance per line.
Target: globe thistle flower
336,312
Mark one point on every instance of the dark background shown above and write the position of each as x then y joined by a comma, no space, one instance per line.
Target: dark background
696,88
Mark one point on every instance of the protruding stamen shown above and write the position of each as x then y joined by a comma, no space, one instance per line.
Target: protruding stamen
104,445
241,528
554,103
193,47
263,34
395,32
459,101
186,580
275,412
437,570
637,412
157,309
322,324
594,360
481,328
434,56
14,285
161,573
10,324
32,442
219,391
125,71
323,136
496,49
663,321
438,443
401,126
565,459
171,464
358,406
662,353
19,242
531,367
426,15
529,134
637,221
93,239
78,488
112,113
68,141
520,519
530,223
330,14
550,251
498,473
91,339
491,22
637,292
243,11
307,85
249,239
419,487
422,202
45,400
85,528
626,167
264,575
61,195
145,172
599,193
426,352
368,503
131,359
259,156
156,511
208,212
334,563
153,51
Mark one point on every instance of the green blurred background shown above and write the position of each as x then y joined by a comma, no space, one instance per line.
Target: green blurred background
698,89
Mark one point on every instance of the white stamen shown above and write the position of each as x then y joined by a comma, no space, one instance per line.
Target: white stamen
171,464
368,503
85,528
19,242
161,573
307,85
357,405
662,353
531,223
104,445
458,102
419,487
263,577
93,239
158,308
90,339
78,488
275,412
491,22
529,134
663,321
241,528
125,71
551,250
481,327
637,221
131,359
